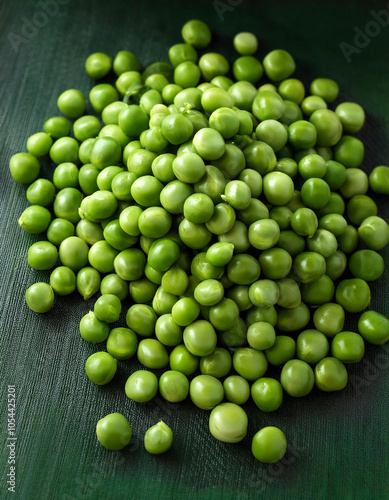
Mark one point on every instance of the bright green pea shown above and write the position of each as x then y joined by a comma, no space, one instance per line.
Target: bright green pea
325,88
40,297
268,105
122,343
100,368
141,318
351,115
264,233
289,293
92,329
228,423
42,256
379,180
88,282
57,126
261,335
63,281
24,167
264,293
39,144
374,232
213,64
218,363
72,103
366,264
206,392
141,386
173,386
158,438
249,363
293,319
281,351
200,338
267,394
348,347
287,166
113,431
329,319
330,375
152,354
35,219
279,65
269,445
328,127
236,389
353,294
312,346
336,265
297,378
374,327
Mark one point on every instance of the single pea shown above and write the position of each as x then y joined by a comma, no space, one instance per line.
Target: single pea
349,151
152,354
183,361
353,294
336,265
213,64
142,319
41,192
42,256
267,394
291,242
311,103
222,219
235,336
374,327
264,293
92,329
158,438
63,280
107,308
249,363
304,222
297,378
218,363
57,126
279,65
40,297
268,105
98,65
100,368
335,223
125,61
312,346
141,386
302,134
374,232
113,431
278,188
35,219
24,167
348,241
228,423
236,389
329,319
348,347
200,338
101,256
379,180
351,115
289,293
39,144
287,166
281,351
122,343
292,90
73,253
247,68
309,266
264,234
315,193
196,33
72,103
328,127
330,375
245,43
366,264
206,391
325,88
269,445
323,242
173,386
293,319
88,282
261,335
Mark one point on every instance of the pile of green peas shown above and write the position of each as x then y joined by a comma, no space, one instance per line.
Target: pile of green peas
225,209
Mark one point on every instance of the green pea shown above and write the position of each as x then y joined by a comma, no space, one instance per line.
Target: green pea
302,134
40,297
158,438
311,103
329,319
348,347
101,256
173,386
349,151
141,318
92,329
183,361
152,354
228,423
261,335
328,127
291,242
35,219
351,115
267,394
206,392
268,105
366,264
312,346
57,126
141,386
113,431
264,234
297,378
218,363
100,368
330,375
222,219
88,282
63,281
374,232
236,389
249,363
348,240
72,103
325,88
73,253
269,445
292,319
336,265
213,64
279,65
196,33
353,294
379,180
309,266
374,327
200,338
281,351
289,293
42,256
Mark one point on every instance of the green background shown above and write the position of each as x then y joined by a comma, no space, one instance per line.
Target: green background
339,443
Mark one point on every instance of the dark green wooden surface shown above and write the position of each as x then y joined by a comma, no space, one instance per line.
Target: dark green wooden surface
339,443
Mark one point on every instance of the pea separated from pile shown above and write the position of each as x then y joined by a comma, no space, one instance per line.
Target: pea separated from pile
224,208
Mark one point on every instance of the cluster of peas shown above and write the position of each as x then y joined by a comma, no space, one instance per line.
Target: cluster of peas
229,214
